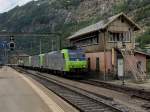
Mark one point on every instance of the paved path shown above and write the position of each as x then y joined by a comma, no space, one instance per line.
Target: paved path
130,83
19,94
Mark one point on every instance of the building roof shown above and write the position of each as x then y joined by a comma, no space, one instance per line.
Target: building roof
143,53
102,25
20,55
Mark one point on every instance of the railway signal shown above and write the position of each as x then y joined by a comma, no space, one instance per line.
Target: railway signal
11,43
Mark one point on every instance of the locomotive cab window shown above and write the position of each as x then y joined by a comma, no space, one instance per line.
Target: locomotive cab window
75,55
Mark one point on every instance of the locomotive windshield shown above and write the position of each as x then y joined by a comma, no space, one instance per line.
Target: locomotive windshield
76,55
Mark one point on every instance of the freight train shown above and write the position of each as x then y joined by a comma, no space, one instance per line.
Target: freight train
65,61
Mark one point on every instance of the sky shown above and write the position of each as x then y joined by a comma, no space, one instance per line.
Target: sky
6,5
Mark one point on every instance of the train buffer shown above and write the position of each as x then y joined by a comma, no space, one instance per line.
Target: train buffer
19,93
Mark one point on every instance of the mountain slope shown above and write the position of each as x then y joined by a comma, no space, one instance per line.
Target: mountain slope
66,17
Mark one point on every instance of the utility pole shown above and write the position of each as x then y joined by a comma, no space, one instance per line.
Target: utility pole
40,46
105,60
49,45
31,46
5,54
59,43
52,45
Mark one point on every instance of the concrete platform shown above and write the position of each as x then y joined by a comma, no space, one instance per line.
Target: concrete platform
19,94
130,83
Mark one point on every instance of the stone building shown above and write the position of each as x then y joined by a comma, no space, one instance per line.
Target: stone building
110,47
17,58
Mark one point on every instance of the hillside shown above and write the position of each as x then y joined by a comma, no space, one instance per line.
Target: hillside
66,17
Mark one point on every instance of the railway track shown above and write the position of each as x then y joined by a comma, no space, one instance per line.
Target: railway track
133,92
81,99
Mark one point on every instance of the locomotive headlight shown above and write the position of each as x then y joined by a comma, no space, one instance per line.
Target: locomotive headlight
83,66
71,66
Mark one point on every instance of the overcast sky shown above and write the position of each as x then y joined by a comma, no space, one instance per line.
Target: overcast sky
6,5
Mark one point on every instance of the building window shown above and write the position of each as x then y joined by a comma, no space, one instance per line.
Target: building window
122,20
89,64
89,40
120,37
97,65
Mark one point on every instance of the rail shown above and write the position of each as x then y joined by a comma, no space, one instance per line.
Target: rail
84,101
140,93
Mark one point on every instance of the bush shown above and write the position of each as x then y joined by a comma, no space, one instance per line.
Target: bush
144,39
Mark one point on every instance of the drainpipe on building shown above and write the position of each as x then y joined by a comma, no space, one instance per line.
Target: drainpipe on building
104,56
124,66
